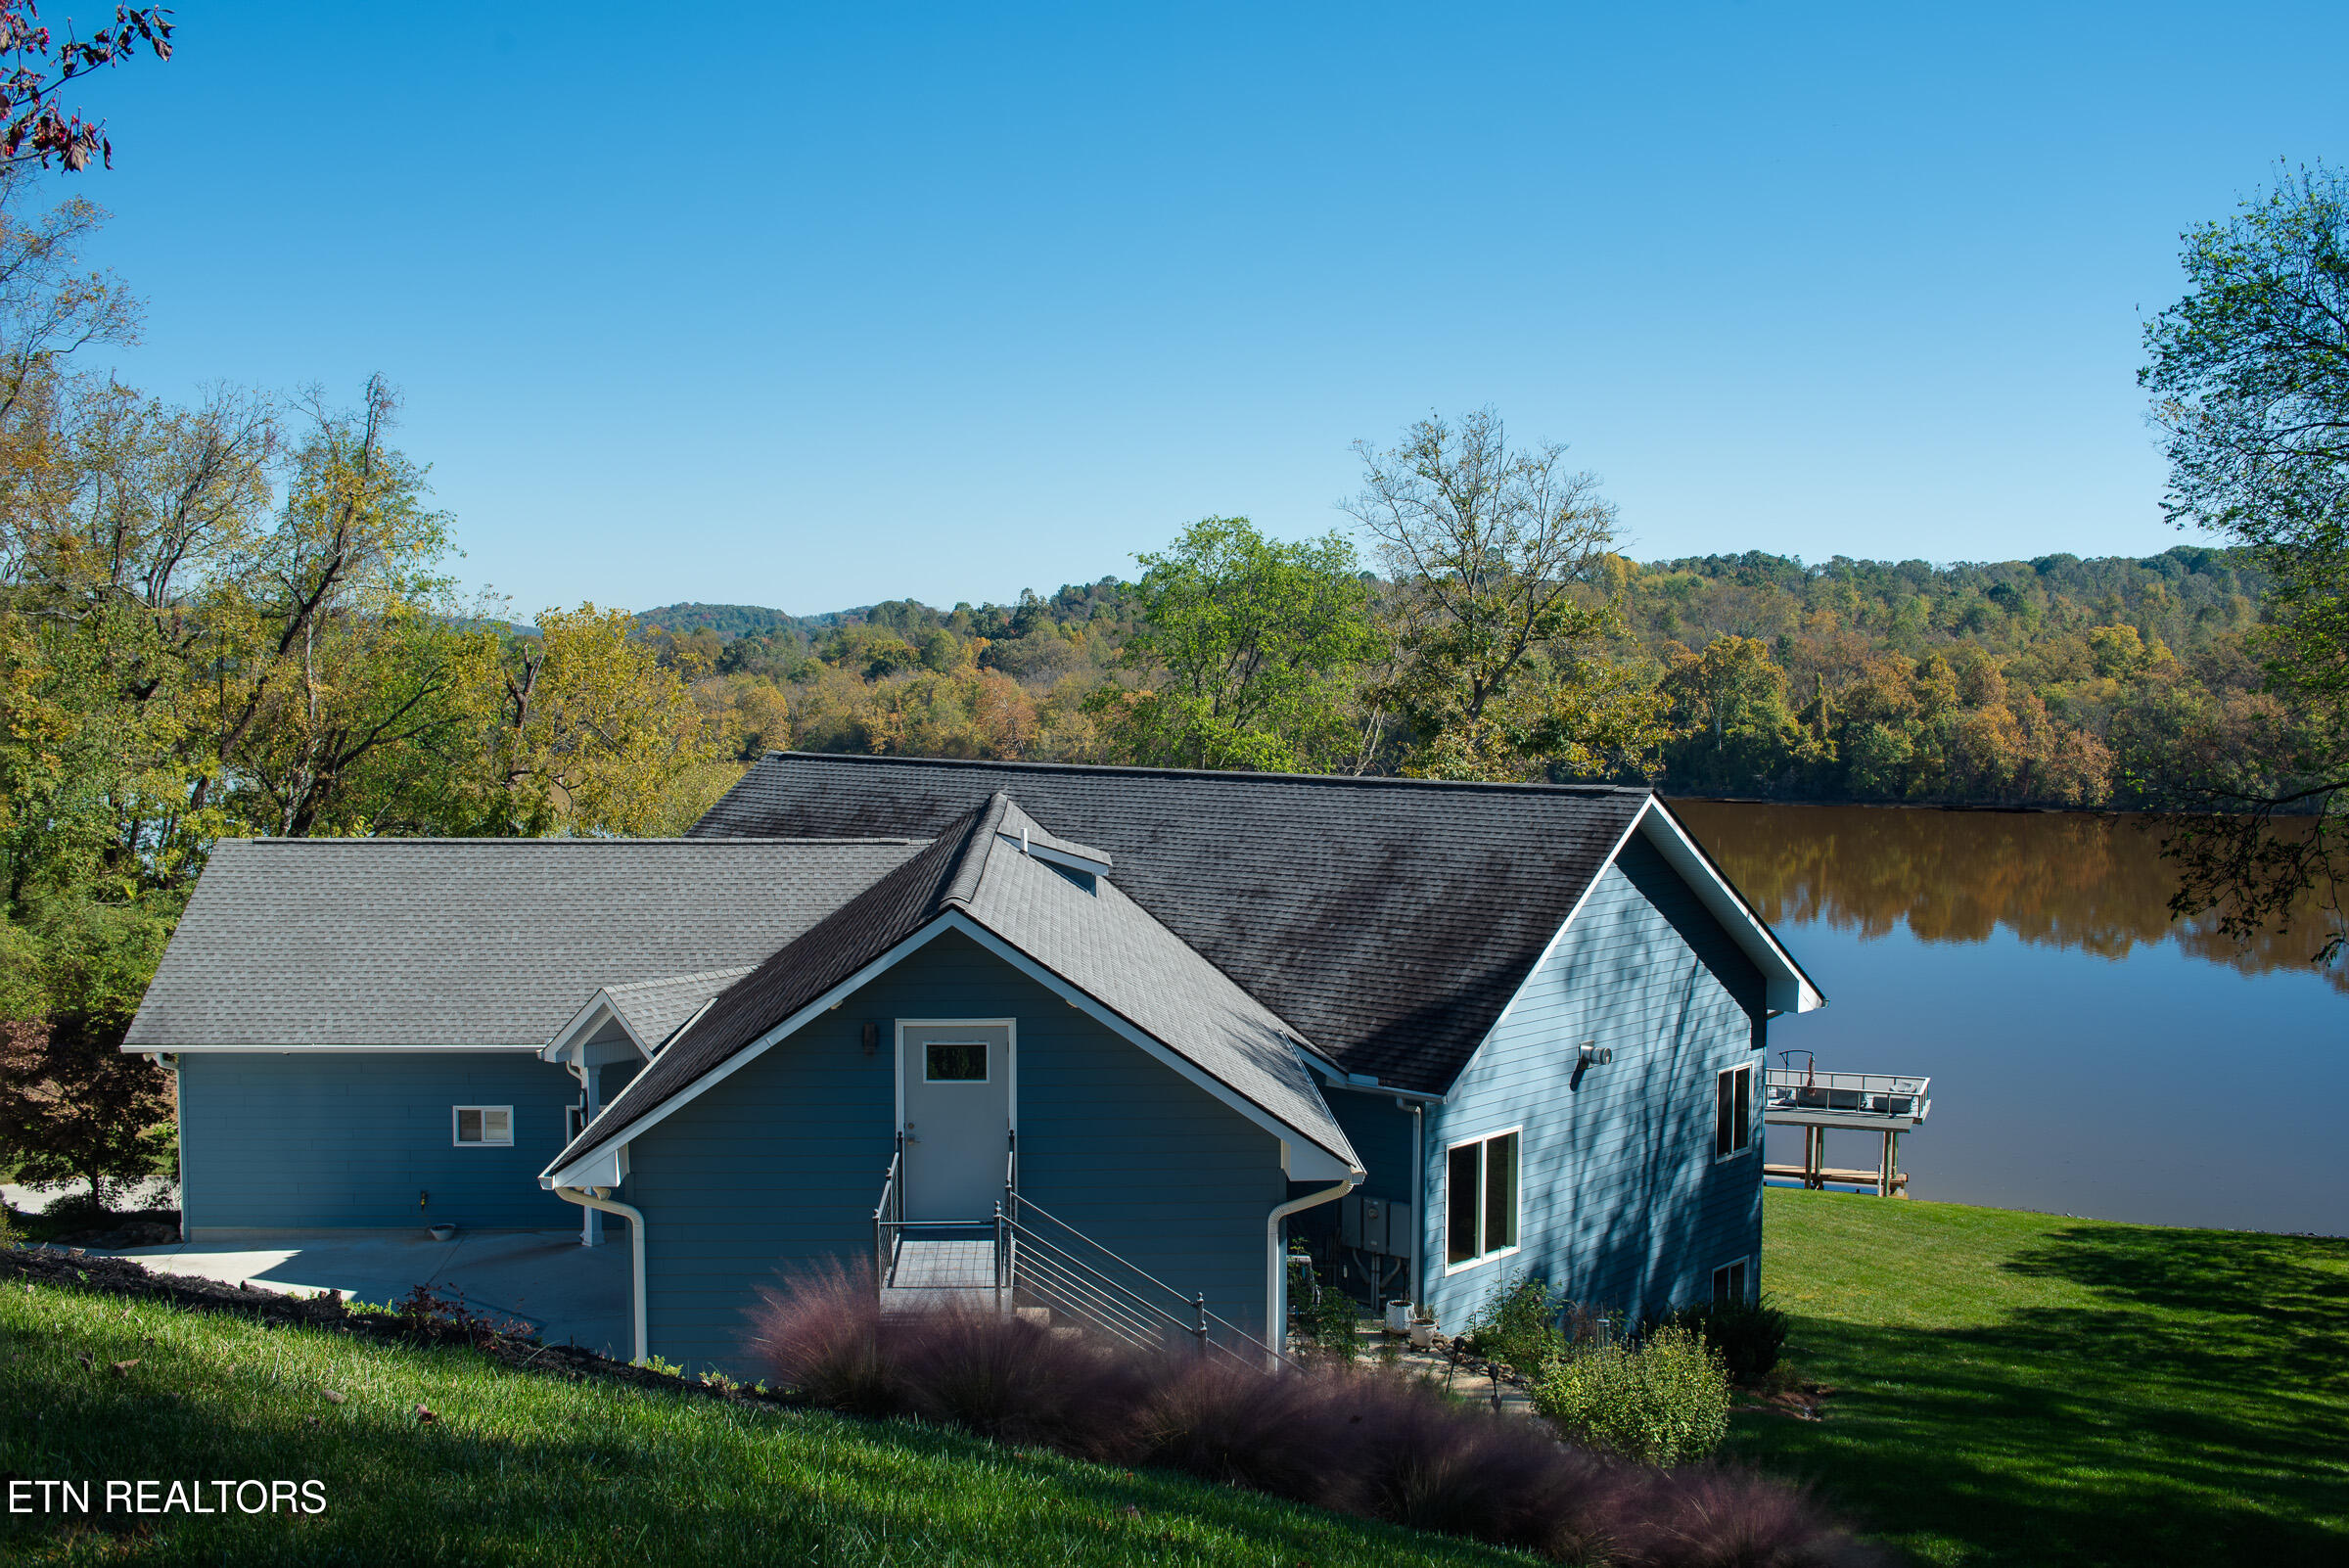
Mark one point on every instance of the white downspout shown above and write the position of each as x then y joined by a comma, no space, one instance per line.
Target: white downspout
1276,1262
595,1200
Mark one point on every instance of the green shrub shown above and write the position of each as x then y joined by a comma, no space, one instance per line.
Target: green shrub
1324,1314
1517,1325
1748,1335
1663,1402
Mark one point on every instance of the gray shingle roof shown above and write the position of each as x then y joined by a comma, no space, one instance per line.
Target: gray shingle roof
1100,942
471,942
1389,919
654,1008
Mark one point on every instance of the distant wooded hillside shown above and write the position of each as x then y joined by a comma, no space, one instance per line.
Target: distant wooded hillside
2053,681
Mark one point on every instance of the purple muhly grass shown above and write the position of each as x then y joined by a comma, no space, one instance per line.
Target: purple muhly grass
1434,1463
821,1335
1226,1421
1017,1381
1722,1516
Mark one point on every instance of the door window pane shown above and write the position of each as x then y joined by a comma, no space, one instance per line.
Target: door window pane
954,1062
1463,1183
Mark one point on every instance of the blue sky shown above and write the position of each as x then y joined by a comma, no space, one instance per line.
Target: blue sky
811,306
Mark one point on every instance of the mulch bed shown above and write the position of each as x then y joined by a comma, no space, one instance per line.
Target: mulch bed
425,1320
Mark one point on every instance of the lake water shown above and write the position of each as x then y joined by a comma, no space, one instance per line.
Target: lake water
2088,1054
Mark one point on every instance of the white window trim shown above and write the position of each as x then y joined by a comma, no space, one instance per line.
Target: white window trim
1518,1229
1712,1281
485,1141
1713,1133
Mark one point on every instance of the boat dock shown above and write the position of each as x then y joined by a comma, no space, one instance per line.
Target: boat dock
1887,1104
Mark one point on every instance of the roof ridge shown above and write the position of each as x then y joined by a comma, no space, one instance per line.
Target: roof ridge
1227,775
700,842
961,883
693,974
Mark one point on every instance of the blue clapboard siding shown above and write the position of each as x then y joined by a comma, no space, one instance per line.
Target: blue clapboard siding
1380,1131
777,1169
1624,1206
329,1139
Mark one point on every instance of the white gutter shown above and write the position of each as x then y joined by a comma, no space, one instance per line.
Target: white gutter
589,1200
1276,1262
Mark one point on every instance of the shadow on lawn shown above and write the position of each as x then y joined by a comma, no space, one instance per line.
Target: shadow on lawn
2192,1417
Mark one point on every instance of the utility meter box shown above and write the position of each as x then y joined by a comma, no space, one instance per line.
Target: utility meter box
1375,1224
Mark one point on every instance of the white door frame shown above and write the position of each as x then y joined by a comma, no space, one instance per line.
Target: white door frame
1011,1059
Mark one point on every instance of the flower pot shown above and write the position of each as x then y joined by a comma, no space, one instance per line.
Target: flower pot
1399,1317
1423,1335
444,1233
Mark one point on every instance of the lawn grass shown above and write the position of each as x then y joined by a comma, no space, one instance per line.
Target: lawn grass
2026,1389
524,1468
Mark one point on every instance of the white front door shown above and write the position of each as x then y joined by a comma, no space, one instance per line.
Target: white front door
954,1086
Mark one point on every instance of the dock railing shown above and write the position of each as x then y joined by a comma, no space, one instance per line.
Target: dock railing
1860,1094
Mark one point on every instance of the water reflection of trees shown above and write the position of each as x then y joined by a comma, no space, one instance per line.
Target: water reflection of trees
2078,879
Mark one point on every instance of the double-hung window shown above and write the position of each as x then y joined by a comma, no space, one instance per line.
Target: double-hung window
1480,1199
1732,1112
483,1126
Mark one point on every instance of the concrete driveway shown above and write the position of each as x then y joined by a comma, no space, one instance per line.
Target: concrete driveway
568,1293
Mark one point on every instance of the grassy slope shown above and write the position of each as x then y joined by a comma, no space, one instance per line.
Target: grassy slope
520,1468
2025,1388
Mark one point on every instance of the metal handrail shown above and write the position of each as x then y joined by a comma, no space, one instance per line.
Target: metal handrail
1026,1256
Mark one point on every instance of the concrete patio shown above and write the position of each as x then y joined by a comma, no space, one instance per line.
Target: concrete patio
565,1292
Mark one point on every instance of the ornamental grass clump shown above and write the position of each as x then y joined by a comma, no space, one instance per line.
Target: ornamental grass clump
1348,1438
1665,1400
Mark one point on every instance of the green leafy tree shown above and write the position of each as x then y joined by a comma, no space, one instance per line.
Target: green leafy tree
1249,651
2249,375
1498,558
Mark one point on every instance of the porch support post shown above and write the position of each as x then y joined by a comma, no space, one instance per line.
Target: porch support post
591,1224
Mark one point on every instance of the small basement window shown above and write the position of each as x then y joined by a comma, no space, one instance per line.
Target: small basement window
488,1125
1729,1282
1732,1112
1480,1199
954,1061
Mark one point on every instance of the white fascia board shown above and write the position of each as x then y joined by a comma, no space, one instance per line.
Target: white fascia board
1788,989
315,1049
1303,1162
565,1175
1117,1022
601,1169
588,1022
